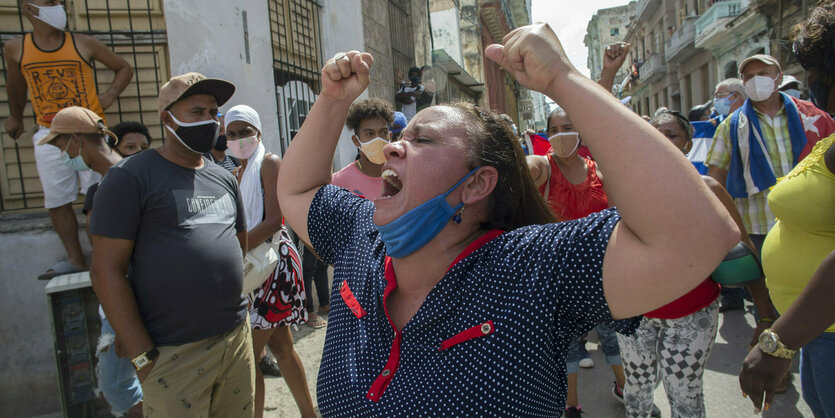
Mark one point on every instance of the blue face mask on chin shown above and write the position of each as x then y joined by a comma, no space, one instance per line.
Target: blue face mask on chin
413,229
74,164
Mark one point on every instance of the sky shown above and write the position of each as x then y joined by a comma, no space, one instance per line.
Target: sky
569,19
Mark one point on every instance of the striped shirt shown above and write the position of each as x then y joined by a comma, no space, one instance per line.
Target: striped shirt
756,215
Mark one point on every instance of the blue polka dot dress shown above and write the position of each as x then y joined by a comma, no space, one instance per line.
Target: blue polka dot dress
490,338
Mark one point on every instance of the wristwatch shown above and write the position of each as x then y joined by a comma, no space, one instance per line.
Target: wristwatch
145,359
770,344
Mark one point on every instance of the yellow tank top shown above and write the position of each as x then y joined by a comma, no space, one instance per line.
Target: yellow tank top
805,229
58,79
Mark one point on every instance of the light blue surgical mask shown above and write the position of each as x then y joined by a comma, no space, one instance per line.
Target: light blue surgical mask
413,229
793,93
74,164
723,105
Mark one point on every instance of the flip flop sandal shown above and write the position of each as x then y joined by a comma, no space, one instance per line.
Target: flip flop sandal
60,268
317,323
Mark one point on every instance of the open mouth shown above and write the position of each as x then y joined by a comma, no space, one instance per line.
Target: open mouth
391,183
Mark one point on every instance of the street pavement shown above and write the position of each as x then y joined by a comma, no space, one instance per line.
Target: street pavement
722,394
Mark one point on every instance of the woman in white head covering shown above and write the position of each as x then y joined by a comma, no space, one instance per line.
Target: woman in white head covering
279,302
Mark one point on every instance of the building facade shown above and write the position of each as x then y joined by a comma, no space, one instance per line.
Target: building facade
685,47
607,26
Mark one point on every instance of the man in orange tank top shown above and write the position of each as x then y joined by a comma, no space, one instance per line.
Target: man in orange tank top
54,68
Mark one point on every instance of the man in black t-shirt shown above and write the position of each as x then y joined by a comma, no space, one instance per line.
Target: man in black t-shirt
178,220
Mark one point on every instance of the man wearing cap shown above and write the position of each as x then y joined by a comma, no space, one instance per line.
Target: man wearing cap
82,135
791,86
178,220
397,125
762,141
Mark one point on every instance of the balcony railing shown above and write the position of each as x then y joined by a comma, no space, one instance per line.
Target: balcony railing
719,10
652,69
682,40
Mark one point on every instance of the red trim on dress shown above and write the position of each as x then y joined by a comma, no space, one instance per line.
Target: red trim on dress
351,300
384,378
479,330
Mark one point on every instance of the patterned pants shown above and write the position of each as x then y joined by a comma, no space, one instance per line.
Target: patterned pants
677,349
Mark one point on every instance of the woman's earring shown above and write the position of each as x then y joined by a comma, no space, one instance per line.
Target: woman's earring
457,217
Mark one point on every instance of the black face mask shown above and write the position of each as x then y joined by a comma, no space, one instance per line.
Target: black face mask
220,145
819,95
199,137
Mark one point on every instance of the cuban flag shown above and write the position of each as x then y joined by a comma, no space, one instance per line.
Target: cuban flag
702,139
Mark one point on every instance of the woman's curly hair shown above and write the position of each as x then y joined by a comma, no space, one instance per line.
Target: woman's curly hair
814,42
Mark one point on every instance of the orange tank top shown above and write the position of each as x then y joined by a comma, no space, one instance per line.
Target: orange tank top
58,79
574,201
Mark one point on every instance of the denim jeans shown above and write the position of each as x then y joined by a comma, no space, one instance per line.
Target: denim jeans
116,376
610,349
817,374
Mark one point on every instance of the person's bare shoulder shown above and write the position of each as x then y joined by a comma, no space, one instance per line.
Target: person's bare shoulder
12,49
88,45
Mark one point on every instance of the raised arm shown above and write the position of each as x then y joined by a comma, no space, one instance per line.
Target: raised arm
307,162
613,59
673,231
15,88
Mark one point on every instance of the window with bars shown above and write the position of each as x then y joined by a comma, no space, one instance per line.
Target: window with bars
402,38
297,60
134,29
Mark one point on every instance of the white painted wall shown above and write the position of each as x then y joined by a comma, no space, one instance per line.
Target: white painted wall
446,33
341,24
207,36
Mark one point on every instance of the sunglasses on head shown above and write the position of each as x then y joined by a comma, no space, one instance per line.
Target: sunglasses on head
677,114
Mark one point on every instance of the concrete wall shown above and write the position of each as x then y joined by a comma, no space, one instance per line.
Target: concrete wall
208,36
341,33
28,246
377,36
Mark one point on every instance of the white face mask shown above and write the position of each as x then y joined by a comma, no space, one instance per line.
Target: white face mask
565,143
373,150
54,16
242,148
760,87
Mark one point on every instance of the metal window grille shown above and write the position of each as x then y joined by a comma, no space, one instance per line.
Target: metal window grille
402,38
297,61
134,29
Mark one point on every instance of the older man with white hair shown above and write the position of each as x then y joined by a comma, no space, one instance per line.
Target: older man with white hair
728,97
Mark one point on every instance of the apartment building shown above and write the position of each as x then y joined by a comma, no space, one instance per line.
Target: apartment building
683,48
607,26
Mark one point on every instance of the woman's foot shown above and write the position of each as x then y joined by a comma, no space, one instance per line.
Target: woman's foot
315,321
324,309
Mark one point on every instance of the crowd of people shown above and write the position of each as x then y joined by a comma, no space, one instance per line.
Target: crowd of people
456,244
